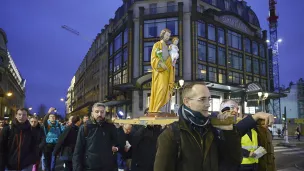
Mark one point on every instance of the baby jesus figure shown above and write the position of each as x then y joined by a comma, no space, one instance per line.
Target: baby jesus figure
173,50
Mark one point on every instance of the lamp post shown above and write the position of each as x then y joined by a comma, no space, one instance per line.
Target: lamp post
177,86
263,97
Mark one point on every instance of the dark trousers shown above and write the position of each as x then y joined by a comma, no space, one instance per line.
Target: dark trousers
68,165
49,160
248,167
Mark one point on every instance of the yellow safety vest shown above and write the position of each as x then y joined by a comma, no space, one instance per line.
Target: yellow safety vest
250,145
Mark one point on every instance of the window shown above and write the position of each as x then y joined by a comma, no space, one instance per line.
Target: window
170,6
255,66
222,76
125,76
212,74
125,57
147,68
262,51
221,56
213,2
248,64
256,79
264,84
152,28
153,8
263,68
211,53
126,32
235,78
211,32
227,4
111,49
240,9
117,42
201,72
234,40
221,36
201,29
202,55
235,60
248,79
255,49
110,84
117,62
147,51
247,45
111,66
117,78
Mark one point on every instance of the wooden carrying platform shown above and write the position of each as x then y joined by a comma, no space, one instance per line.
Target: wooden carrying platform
167,118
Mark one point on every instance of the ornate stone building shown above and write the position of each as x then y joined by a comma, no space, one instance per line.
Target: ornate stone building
12,85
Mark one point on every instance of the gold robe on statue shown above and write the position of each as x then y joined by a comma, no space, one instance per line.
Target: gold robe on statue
162,80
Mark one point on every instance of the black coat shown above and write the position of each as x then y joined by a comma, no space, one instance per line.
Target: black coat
40,138
122,138
144,148
18,146
66,143
94,152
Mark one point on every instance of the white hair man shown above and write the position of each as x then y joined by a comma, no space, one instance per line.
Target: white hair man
255,136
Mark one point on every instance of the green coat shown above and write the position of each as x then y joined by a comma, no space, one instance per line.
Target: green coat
198,153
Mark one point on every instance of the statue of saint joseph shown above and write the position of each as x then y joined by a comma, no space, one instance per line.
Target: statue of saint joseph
163,75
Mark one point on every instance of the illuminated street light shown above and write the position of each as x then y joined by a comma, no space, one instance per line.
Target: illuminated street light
62,99
267,41
35,113
30,108
280,40
9,94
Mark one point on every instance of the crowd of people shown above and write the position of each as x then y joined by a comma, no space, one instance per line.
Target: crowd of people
94,143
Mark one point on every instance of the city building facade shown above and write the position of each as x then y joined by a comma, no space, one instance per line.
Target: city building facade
12,85
220,43
294,102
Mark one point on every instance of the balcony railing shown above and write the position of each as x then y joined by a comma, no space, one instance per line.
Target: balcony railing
160,10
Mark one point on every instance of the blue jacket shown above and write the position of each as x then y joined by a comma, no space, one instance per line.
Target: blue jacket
52,132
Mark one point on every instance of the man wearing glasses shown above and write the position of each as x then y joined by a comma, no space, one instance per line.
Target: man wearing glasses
202,146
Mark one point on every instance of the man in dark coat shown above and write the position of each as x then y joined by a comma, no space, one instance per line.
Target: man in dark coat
96,142
18,144
125,147
144,147
202,146
66,143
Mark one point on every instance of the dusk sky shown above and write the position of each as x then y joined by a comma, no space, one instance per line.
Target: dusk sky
48,56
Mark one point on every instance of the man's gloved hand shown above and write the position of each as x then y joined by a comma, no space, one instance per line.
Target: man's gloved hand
268,118
223,116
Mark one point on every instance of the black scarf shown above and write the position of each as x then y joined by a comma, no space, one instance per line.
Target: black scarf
194,117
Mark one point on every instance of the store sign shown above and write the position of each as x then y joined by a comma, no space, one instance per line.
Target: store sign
235,23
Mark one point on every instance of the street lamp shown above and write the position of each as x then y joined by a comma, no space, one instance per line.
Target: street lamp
30,108
62,99
263,97
177,86
9,94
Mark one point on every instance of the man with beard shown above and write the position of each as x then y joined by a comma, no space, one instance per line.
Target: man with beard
18,144
96,142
